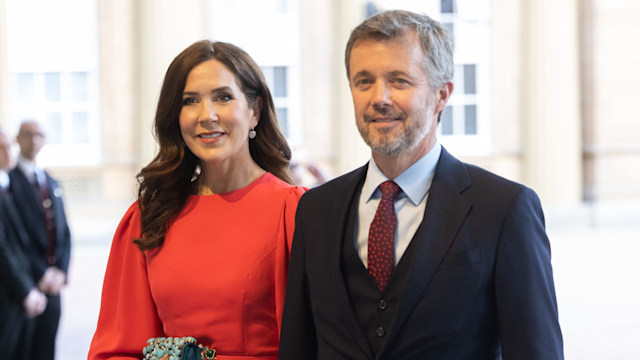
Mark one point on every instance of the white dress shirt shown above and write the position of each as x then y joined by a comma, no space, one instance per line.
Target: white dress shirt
409,205
31,170
4,180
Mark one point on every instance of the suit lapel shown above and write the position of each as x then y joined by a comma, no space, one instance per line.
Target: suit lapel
28,194
27,201
444,214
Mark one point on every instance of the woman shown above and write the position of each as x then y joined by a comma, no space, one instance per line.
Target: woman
204,251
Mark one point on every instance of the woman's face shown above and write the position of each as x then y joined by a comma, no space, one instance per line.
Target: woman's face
215,118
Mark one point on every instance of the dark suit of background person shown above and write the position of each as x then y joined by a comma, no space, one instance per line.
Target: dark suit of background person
19,297
47,258
15,275
475,281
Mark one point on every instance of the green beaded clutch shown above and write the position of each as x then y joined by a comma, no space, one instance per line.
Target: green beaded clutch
177,348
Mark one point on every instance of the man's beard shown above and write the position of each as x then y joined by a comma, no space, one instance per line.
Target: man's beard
392,143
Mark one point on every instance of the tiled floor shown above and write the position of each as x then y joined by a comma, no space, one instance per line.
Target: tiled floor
597,274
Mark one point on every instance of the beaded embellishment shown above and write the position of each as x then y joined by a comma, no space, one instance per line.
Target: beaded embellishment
177,348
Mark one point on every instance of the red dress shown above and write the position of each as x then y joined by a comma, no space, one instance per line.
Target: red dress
220,276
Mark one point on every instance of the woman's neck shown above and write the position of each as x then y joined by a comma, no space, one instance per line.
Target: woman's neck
218,179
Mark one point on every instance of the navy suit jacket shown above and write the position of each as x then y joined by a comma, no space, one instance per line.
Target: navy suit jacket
29,205
479,286
15,276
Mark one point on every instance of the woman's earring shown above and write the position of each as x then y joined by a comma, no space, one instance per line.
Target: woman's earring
196,173
252,134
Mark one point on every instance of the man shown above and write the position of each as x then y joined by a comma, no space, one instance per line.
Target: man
19,297
452,263
38,198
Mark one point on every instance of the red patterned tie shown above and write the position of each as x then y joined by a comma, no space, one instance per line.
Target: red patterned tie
381,235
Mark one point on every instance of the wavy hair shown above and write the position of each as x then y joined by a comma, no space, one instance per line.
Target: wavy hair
165,183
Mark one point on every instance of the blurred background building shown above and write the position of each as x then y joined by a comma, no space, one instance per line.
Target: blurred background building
547,93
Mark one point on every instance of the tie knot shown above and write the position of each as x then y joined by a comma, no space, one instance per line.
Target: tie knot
390,190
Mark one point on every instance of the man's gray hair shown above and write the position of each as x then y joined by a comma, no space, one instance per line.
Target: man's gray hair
437,42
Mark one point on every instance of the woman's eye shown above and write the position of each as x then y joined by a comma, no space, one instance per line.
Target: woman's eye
223,98
188,101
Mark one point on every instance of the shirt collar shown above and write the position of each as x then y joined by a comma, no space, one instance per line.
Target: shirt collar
415,181
4,180
29,168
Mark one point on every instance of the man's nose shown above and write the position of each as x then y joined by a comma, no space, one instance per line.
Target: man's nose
381,94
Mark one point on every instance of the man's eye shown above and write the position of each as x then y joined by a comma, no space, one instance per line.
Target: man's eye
363,82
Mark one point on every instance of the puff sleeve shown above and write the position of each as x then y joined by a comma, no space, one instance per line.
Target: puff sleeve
128,315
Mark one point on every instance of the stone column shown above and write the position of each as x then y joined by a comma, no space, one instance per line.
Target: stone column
551,99
118,97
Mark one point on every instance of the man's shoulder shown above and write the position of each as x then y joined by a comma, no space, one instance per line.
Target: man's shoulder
51,179
485,177
496,189
17,178
452,166
15,172
476,181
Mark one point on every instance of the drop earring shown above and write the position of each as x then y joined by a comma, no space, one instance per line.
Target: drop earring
252,134
196,173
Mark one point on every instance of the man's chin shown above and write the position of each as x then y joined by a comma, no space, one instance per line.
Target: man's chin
392,149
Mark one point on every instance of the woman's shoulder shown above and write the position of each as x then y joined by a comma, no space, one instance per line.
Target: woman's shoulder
129,225
132,213
282,188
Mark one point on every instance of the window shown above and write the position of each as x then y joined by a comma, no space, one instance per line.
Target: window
276,77
58,100
447,6
54,76
461,118
464,123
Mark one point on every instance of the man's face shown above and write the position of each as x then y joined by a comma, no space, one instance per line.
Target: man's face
31,139
395,107
5,152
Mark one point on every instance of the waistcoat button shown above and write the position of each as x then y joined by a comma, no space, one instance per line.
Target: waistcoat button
382,305
380,331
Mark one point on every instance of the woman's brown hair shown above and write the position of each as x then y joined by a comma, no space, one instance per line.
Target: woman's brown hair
165,183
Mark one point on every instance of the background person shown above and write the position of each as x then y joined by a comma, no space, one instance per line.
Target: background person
38,199
204,251
416,255
19,297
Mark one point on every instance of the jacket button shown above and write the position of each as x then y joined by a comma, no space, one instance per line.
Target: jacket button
382,305
380,331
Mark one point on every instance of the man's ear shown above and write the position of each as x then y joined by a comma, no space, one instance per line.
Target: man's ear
442,96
